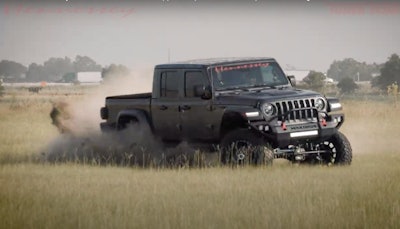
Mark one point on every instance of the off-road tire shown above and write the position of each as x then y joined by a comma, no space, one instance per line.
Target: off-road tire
343,154
247,142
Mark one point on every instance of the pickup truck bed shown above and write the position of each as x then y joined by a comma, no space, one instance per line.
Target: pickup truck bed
132,96
125,102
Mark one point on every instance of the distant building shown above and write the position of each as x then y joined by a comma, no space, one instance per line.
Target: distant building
83,78
89,77
375,74
328,80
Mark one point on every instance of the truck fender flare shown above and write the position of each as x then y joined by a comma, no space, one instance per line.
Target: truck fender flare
134,114
232,119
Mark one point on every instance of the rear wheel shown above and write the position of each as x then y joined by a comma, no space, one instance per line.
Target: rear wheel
243,146
136,138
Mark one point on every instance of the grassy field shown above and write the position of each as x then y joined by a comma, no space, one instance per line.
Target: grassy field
37,194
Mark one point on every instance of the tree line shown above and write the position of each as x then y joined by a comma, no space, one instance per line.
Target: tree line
344,71
347,71
55,69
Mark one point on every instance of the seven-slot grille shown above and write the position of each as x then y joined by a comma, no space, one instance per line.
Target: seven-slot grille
299,115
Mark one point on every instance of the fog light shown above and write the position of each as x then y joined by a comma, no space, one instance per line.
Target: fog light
299,157
252,114
335,106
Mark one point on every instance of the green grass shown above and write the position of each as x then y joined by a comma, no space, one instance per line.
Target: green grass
35,194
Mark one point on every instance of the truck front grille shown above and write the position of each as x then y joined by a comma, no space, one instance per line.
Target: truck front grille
297,110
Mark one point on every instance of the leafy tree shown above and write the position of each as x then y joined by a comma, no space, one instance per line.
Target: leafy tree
114,71
347,85
12,70
69,77
36,73
351,68
1,88
315,80
390,73
56,68
85,64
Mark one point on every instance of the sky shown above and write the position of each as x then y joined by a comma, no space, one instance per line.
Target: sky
302,34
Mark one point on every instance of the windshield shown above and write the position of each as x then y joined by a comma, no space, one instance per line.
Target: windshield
260,74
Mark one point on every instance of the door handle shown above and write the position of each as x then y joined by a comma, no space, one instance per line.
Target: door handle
163,107
184,107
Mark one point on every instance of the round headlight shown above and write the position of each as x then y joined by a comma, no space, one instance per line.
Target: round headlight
319,104
268,109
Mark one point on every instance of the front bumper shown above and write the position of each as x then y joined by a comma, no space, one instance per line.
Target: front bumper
284,133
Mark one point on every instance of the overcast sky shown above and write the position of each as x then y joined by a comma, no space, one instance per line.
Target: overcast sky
304,34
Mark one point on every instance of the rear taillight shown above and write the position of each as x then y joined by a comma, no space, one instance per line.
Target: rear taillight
104,113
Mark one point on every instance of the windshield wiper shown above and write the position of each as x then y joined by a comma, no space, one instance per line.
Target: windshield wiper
264,86
258,86
281,86
233,88
252,87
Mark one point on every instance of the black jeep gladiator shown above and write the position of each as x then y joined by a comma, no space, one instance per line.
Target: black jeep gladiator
247,107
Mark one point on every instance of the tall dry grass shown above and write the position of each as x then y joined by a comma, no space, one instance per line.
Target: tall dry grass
25,129
364,195
372,126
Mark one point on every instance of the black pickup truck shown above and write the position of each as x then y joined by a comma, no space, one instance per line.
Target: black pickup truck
246,107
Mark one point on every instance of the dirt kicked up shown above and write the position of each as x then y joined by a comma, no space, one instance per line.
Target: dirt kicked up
128,147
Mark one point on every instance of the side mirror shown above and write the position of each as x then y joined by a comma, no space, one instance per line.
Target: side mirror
203,92
292,80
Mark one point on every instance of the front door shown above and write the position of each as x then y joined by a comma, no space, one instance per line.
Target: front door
197,114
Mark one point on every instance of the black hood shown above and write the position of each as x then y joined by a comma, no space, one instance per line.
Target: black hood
251,98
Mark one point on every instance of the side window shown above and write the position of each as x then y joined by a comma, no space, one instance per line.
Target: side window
273,75
169,84
267,74
193,80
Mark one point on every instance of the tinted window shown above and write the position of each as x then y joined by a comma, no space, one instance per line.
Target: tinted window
193,80
169,84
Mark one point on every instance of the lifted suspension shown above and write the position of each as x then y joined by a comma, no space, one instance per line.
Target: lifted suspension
299,152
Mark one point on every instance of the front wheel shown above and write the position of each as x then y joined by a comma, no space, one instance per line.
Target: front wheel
243,146
339,150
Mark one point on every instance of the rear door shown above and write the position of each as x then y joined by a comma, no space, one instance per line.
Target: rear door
165,107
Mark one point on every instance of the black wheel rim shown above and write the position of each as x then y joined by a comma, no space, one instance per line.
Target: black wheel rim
241,152
330,156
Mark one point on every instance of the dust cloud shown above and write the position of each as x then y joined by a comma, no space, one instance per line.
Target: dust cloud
80,139
78,122
371,126
127,147
86,112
